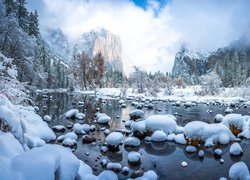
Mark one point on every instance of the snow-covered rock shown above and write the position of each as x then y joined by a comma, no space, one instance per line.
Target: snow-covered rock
71,113
116,167
180,139
161,122
132,141
102,118
59,128
217,153
158,136
47,118
218,118
114,139
80,115
136,114
78,128
134,158
191,149
239,170
44,162
235,149
236,120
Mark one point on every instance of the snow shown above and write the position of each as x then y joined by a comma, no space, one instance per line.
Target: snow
191,149
239,170
201,153
218,152
71,113
150,175
136,113
78,128
158,136
194,129
179,138
103,119
59,128
51,159
235,119
80,116
218,118
139,126
171,137
70,135
161,122
25,124
209,133
235,149
10,147
47,118
114,166
84,170
114,138
68,142
132,141
134,157
228,110
128,123
184,164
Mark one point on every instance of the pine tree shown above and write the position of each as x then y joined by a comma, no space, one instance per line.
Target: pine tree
9,4
23,15
33,24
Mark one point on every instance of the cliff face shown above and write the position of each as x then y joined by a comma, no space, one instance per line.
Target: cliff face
231,63
58,42
108,44
190,65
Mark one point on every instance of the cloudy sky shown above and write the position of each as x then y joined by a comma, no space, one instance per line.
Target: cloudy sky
151,31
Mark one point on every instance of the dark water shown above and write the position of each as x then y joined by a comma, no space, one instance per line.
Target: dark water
164,158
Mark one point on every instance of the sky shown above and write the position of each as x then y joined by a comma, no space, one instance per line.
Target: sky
151,31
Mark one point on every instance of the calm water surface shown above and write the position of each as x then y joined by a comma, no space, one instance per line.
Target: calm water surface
164,158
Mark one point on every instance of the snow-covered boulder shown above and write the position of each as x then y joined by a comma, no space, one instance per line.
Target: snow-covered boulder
158,136
191,149
71,113
102,118
208,133
134,158
235,149
70,135
180,139
161,122
239,170
218,118
80,116
136,114
116,167
114,139
59,128
44,162
132,142
216,133
78,128
235,122
47,118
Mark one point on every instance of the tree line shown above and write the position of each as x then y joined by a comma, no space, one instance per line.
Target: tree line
28,21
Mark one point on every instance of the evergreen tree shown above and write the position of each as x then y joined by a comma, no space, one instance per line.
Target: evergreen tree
9,4
23,15
33,24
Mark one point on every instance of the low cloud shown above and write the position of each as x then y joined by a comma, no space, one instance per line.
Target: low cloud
152,36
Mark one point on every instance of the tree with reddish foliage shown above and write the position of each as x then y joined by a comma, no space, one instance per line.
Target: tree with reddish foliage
99,69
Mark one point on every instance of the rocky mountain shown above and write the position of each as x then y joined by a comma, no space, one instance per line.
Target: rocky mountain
231,63
58,42
103,41
190,65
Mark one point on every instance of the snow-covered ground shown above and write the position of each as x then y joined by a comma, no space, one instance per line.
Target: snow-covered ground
190,93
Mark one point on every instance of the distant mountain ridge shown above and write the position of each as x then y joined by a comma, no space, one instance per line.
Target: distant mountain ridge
231,63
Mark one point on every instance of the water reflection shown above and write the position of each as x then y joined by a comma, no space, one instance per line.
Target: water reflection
165,158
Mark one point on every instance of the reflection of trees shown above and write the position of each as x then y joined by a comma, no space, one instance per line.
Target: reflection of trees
159,148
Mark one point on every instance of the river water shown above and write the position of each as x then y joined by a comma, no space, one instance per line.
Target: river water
164,158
